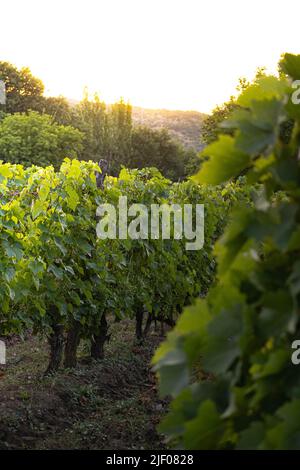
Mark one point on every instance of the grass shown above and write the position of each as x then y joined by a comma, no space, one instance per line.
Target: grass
110,404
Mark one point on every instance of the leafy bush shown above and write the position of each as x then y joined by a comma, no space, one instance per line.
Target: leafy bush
228,361
34,139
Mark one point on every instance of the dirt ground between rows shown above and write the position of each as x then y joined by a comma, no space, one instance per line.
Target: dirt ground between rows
110,404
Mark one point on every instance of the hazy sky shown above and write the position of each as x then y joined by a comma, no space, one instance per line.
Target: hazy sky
177,54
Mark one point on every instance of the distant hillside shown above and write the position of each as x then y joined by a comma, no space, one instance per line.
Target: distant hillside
185,126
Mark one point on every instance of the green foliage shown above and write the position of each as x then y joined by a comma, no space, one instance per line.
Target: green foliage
90,117
55,272
191,162
210,128
121,133
23,90
58,108
34,139
107,131
109,134
212,124
228,361
156,148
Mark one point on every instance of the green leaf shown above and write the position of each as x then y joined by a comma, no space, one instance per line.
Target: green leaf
251,438
58,272
290,64
264,88
174,372
12,250
221,346
36,267
37,208
73,198
206,430
226,161
286,435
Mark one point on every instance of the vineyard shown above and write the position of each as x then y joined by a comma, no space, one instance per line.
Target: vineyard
62,283
230,309
60,280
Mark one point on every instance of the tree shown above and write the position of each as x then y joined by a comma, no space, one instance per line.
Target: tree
151,147
109,134
57,107
90,117
210,129
191,162
120,131
35,139
23,90
107,130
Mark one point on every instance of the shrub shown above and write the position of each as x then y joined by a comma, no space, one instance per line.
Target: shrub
34,139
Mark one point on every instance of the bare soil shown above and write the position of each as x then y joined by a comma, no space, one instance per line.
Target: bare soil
108,404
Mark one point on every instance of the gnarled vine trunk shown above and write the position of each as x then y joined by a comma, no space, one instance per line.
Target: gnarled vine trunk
56,343
148,324
98,341
72,344
139,324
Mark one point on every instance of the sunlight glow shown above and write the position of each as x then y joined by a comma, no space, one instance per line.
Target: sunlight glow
176,54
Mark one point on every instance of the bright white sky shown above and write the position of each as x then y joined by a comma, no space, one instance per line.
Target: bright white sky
176,54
